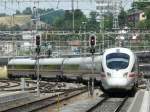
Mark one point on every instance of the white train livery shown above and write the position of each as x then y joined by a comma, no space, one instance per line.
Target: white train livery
119,70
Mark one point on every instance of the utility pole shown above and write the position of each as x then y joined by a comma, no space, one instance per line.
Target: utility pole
84,28
77,4
72,15
93,72
37,63
38,42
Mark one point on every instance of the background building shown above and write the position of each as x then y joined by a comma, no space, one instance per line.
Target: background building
136,15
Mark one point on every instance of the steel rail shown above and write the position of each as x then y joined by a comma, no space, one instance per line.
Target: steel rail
8,85
121,105
117,109
42,103
97,105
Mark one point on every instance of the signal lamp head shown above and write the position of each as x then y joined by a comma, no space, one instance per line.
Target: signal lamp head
38,40
92,40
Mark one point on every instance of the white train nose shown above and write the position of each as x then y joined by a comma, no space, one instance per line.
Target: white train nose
117,82
120,83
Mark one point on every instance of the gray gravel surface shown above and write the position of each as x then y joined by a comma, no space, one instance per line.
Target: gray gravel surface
111,104
126,105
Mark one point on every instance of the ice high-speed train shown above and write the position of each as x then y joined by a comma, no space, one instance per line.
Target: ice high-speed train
52,67
119,70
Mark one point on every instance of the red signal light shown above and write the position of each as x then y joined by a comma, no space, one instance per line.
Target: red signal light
92,40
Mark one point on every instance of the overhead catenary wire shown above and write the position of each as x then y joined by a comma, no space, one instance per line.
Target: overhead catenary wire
31,3
21,1
125,2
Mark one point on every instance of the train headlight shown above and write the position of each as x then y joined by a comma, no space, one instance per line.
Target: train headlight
108,74
125,74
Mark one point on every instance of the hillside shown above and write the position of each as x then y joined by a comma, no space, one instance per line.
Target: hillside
15,20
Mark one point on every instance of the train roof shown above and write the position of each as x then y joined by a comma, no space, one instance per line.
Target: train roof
53,61
117,50
28,61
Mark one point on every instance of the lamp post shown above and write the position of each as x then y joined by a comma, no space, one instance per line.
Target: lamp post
72,15
38,40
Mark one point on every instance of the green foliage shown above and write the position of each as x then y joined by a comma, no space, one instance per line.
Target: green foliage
144,6
147,37
18,12
92,24
49,16
62,20
122,18
79,19
108,21
27,11
147,12
140,5
144,24
147,22
141,24
65,22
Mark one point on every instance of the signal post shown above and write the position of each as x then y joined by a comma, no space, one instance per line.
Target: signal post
38,43
92,43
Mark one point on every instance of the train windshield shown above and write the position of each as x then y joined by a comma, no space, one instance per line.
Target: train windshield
117,60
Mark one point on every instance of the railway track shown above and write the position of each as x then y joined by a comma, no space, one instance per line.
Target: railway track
9,84
45,87
109,105
44,102
4,84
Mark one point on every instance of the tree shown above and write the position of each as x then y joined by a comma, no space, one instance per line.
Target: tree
3,14
147,22
140,5
144,6
108,21
79,19
51,15
92,24
66,21
93,15
122,18
147,12
141,24
18,12
27,11
68,15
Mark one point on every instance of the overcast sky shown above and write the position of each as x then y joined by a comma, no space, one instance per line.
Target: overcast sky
10,8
